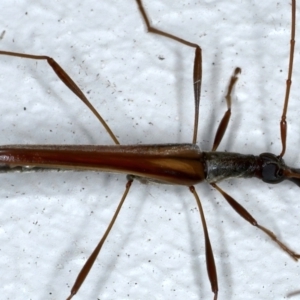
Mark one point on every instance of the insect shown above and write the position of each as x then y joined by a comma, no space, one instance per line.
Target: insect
251,111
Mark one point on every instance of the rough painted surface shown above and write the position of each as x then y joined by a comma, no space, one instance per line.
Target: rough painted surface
141,84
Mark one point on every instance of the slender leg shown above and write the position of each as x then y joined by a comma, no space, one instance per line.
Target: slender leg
210,261
197,75
68,81
283,123
224,122
89,263
246,215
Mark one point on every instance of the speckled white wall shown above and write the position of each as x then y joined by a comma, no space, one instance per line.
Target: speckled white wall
141,84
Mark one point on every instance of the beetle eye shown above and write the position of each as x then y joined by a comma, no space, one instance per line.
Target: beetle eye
272,168
272,173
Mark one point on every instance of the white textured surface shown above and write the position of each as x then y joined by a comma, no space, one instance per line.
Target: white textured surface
50,222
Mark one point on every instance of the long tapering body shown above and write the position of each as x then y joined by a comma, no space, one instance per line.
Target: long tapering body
171,163
182,164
